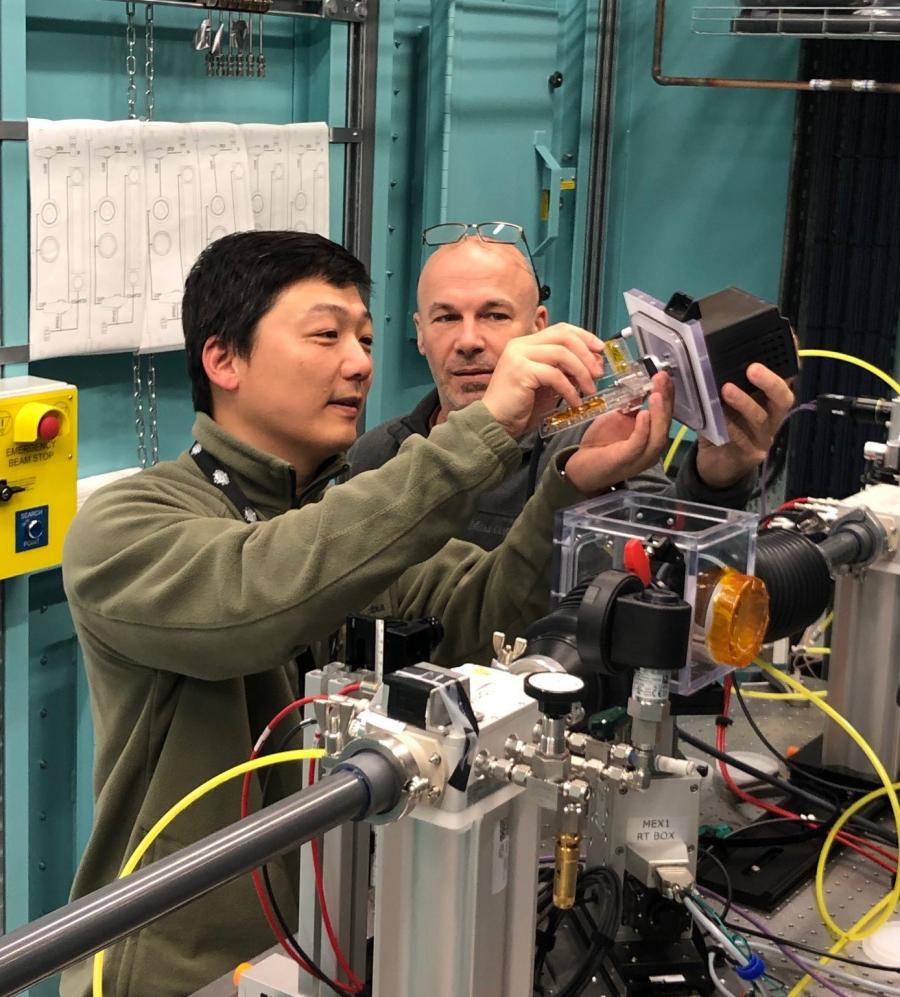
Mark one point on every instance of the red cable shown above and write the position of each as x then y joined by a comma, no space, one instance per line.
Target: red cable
257,748
268,913
355,981
270,726
849,840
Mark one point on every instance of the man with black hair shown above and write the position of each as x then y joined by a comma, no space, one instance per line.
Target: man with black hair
201,587
477,294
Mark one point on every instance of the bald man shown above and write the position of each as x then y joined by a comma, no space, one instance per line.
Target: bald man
475,296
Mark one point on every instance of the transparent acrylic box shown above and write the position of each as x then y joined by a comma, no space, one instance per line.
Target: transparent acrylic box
591,537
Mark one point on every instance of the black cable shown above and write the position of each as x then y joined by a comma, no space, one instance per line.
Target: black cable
862,824
859,824
802,947
792,765
774,840
726,879
317,971
547,939
772,780
598,878
606,884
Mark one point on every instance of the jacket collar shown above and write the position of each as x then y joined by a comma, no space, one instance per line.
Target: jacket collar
419,420
268,482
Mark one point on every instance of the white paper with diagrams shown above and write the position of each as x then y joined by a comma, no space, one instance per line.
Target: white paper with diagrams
120,210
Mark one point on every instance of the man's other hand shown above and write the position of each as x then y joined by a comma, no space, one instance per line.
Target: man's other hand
618,446
752,424
560,361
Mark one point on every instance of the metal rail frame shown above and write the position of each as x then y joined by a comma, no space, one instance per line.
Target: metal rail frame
803,86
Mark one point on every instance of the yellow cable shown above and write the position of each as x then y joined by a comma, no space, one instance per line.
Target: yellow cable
192,797
789,696
856,932
673,449
811,649
847,358
823,354
823,857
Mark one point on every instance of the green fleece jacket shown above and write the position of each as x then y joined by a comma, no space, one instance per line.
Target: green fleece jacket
190,621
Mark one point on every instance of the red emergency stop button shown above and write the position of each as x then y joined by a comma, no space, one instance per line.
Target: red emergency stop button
36,422
49,427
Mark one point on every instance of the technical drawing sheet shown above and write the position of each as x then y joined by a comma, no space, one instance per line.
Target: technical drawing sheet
120,210
289,176
198,192
87,246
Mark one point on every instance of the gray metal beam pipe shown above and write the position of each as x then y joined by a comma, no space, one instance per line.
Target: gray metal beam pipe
38,950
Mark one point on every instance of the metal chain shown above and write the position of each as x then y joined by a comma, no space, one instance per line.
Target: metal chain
130,61
137,394
150,72
150,61
154,423
137,390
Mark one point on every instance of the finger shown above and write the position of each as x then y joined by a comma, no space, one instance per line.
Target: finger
566,329
635,447
551,377
747,438
750,410
660,417
663,386
581,342
560,358
611,427
780,397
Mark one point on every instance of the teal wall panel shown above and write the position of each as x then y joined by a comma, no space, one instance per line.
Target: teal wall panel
466,89
404,132
699,176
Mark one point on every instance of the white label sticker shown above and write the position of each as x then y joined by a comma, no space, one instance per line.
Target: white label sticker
652,830
500,872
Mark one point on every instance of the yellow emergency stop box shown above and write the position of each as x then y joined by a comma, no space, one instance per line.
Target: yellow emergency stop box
38,471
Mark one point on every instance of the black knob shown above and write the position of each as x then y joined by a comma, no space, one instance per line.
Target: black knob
555,80
556,692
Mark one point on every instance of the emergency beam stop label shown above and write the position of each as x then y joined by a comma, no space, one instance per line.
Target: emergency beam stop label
657,830
30,453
